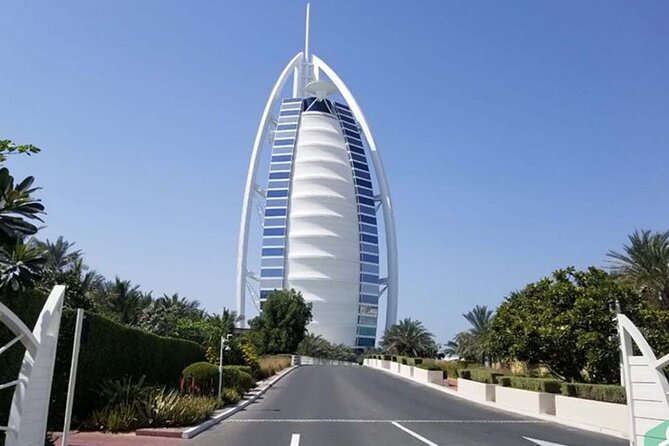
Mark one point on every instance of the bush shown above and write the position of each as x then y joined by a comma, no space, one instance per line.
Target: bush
428,366
270,365
386,357
533,384
596,392
230,395
414,361
241,368
393,358
483,376
201,378
464,374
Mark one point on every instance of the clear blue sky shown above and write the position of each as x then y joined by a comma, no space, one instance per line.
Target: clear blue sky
518,137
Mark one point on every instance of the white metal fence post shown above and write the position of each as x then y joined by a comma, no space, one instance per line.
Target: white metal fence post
73,376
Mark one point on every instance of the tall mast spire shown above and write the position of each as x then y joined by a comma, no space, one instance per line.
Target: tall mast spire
306,37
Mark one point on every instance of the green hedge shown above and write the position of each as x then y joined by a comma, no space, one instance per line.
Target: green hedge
111,351
201,378
534,384
484,376
414,361
597,392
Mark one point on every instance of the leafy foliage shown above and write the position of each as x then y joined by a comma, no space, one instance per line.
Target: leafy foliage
533,384
318,347
409,337
596,392
7,147
282,323
472,345
565,322
645,265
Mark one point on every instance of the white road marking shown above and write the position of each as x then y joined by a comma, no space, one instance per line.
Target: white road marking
543,442
344,420
414,434
295,440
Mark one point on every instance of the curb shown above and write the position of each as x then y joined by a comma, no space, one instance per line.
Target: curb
493,405
195,430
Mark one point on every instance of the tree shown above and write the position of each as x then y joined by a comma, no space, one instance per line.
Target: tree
7,147
409,337
282,323
123,301
314,345
565,322
645,265
20,266
472,344
59,254
182,305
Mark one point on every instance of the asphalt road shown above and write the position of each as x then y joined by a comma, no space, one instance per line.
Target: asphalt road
342,406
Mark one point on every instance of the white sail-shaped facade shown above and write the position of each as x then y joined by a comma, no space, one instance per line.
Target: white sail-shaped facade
320,203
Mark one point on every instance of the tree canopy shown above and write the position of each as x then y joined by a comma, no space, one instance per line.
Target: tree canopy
409,337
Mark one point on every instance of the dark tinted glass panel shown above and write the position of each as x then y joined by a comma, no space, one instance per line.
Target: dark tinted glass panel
369,258
359,158
279,175
368,238
347,119
356,149
284,142
277,193
351,133
350,127
364,192
364,342
274,231
366,299
367,331
369,248
290,112
361,166
369,278
271,272
365,200
363,218
274,212
355,141
362,174
281,158
272,251
365,183
366,320
367,210
368,228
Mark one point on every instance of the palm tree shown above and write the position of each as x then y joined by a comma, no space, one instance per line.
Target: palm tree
472,344
17,206
408,337
180,304
124,302
644,264
20,266
313,345
59,254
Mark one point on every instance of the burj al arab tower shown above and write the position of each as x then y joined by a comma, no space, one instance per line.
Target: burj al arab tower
324,194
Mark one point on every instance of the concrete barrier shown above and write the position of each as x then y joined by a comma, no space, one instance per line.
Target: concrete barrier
395,367
476,390
384,364
428,376
606,417
525,400
406,370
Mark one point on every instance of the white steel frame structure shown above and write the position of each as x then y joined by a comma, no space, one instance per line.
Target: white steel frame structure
304,67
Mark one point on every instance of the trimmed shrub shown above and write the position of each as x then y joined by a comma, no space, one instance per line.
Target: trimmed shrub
201,378
483,376
533,384
241,368
465,374
596,392
404,360
386,357
393,358
428,366
414,361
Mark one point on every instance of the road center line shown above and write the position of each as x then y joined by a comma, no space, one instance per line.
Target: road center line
414,434
295,440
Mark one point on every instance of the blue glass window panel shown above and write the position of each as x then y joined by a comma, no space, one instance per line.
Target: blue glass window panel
345,118
281,158
275,222
369,278
352,134
274,231
279,175
264,293
366,200
275,212
269,262
282,150
277,193
272,251
368,228
367,331
356,149
273,241
368,238
364,342
284,134
365,183
366,210
278,184
276,204
369,289
355,141
367,320
367,299
359,158
279,166
344,111
369,268
288,120
362,174
364,191
361,166
292,101
286,127
371,249
369,258
351,127
271,272
294,112
284,142
270,283
368,310
364,218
